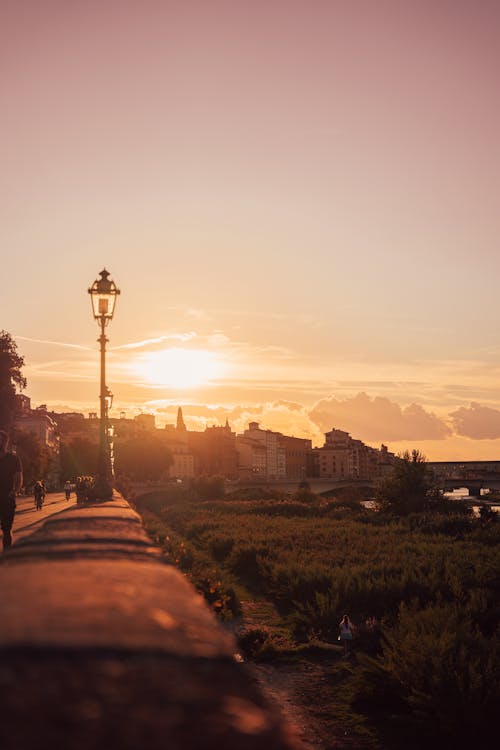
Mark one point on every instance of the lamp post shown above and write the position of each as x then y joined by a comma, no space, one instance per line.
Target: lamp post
103,293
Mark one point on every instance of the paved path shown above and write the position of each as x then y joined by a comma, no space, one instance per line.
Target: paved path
28,519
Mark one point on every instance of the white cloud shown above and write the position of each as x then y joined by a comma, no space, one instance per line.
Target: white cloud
477,422
157,340
378,419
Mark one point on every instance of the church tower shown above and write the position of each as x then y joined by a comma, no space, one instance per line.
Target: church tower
181,427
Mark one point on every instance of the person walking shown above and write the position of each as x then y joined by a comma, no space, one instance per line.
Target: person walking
67,489
39,492
346,630
11,480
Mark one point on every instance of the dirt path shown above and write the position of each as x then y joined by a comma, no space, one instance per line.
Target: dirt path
289,687
302,688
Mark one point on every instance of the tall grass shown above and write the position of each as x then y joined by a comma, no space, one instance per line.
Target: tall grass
430,583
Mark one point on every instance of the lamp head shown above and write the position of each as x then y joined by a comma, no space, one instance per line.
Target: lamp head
103,294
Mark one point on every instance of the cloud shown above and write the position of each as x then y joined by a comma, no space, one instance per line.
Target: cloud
157,340
281,416
251,313
289,405
477,422
54,343
378,419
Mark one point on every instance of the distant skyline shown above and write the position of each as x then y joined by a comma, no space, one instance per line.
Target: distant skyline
299,201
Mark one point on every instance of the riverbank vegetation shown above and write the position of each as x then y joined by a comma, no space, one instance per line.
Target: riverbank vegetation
422,589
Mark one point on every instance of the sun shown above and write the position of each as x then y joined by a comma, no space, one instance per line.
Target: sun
179,368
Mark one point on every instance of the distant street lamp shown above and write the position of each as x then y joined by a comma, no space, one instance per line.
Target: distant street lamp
103,294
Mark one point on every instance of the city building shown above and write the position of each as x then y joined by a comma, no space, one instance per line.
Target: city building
343,457
40,423
214,452
275,452
257,454
145,422
182,466
296,452
125,429
177,440
252,460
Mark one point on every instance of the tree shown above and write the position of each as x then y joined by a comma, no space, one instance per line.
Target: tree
142,458
33,455
11,379
304,493
208,488
410,488
78,458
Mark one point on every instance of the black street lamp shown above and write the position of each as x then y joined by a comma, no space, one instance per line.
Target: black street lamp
103,294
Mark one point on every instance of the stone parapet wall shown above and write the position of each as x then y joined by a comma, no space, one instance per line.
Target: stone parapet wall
103,645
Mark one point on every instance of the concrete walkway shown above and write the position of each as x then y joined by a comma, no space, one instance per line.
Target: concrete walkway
28,519
102,645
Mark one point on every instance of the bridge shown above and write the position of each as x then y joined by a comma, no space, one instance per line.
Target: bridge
473,475
318,486
288,486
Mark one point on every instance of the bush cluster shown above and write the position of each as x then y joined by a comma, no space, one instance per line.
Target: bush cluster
422,589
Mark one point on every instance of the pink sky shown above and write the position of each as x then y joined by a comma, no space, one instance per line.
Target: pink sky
307,191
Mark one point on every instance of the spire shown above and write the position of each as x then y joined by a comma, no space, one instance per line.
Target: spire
180,421
227,424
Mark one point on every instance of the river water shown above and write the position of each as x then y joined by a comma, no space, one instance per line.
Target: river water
463,494
460,494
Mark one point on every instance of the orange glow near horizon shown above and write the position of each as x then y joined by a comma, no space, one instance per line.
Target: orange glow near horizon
179,368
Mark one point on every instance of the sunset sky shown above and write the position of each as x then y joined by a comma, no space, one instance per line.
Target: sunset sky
298,199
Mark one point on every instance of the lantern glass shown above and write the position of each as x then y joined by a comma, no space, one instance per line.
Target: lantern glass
109,399
103,293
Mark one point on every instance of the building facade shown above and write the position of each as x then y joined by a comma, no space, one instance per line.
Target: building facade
40,423
275,452
252,460
214,452
343,457
296,452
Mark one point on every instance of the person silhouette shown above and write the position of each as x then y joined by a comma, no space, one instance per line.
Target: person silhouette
11,480
39,493
346,630
67,489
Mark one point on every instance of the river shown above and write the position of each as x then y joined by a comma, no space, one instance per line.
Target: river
460,494
463,494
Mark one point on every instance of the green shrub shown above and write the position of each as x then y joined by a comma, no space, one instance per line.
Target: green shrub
256,494
315,562
219,596
488,515
221,548
317,619
450,524
410,488
261,644
250,641
438,670
245,563
208,488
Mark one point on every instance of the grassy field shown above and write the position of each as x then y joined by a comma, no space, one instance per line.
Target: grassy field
422,591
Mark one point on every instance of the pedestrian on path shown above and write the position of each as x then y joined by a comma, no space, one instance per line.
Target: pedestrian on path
346,630
67,489
39,492
11,480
